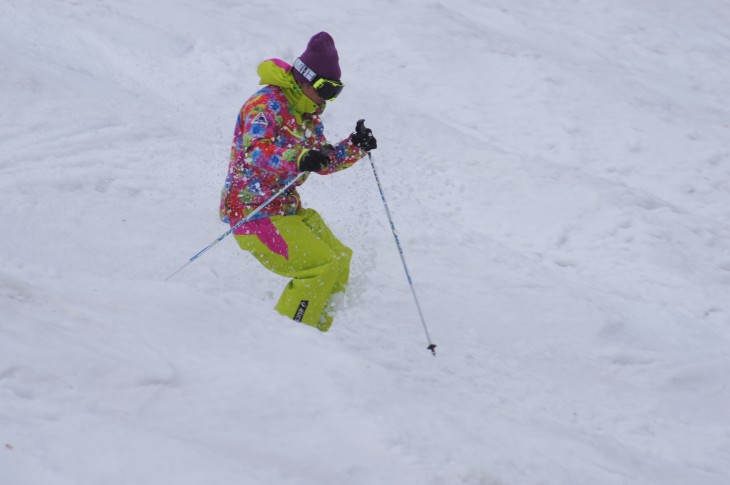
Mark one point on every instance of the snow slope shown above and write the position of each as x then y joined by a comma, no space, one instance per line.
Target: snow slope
558,174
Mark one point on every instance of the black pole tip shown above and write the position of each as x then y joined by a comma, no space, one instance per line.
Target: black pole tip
432,348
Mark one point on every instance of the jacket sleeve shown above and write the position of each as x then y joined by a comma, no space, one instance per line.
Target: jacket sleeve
344,155
263,146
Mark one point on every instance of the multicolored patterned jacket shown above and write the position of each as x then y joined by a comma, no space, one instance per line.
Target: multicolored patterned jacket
272,131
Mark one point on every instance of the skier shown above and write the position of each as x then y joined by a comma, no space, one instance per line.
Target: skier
278,135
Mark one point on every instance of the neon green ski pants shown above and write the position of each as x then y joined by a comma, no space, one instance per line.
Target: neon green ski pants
303,248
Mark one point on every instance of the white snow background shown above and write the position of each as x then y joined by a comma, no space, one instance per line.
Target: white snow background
558,175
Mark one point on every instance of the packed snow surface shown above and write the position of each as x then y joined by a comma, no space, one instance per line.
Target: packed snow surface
558,174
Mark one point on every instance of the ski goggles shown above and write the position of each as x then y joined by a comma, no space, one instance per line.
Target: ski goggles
326,89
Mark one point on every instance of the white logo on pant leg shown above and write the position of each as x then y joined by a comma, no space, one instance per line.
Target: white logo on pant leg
300,311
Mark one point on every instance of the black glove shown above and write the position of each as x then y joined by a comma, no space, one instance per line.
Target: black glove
363,137
313,161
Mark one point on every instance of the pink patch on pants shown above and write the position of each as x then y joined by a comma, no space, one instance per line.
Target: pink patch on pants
266,231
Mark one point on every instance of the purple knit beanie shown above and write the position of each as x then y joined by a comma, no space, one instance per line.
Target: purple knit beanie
321,57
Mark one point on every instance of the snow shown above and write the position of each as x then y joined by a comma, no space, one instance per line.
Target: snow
558,175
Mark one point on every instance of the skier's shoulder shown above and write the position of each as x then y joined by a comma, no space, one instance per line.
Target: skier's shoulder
257,101
268,101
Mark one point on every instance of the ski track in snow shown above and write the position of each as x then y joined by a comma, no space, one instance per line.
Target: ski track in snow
558,175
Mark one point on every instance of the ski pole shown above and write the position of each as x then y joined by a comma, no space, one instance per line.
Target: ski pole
431,345
242,221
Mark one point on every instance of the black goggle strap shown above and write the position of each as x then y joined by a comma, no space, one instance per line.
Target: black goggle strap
304,70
